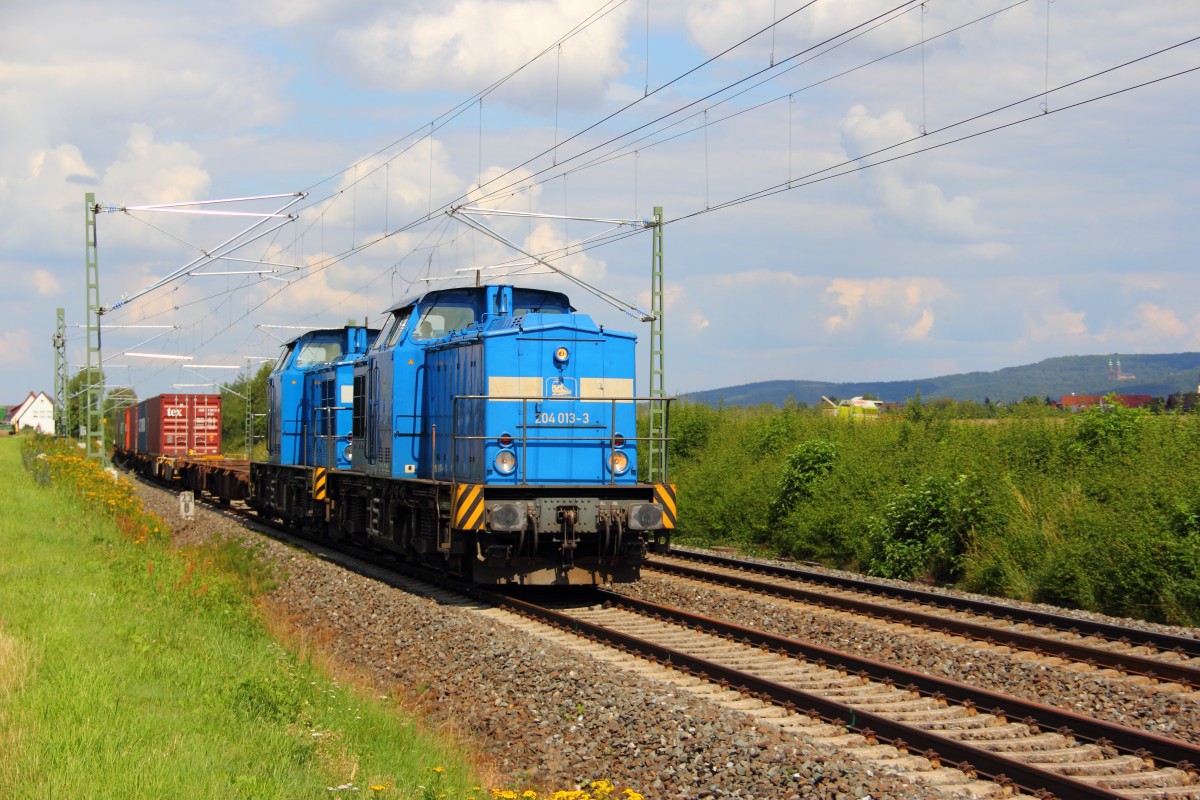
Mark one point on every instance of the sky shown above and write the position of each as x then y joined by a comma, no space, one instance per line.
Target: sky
853,190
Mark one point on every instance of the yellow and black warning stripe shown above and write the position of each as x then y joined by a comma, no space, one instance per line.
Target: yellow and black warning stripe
467,511
664,495
319,486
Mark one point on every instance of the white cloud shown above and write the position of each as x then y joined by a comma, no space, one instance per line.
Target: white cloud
902,306
988,251
717,24
863,134
920,329
44,194
456,47
1155,326
766,280
153,172
1144,282
45,283
545,241
916,207
1057,325
16,348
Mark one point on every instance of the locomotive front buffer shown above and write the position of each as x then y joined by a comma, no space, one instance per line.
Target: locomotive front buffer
549,538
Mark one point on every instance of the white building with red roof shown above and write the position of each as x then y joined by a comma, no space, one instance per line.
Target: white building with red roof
36,412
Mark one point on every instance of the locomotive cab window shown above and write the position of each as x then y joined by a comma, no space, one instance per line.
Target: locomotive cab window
318,353
283,357
443,319
392,332
533,302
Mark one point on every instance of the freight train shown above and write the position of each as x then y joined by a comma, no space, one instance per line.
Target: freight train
489,432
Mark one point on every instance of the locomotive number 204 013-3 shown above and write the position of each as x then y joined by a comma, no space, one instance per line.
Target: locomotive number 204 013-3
560,418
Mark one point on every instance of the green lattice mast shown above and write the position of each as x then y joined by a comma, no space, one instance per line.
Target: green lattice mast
94,377
61,370
658,371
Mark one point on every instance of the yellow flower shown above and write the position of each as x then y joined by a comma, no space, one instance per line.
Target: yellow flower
379,787
632,795
529,794
439,770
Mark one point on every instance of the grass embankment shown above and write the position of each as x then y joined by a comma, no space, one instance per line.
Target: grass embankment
130,669
1094,510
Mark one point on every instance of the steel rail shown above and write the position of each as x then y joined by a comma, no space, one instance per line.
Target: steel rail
1187,645
994,765
1126,662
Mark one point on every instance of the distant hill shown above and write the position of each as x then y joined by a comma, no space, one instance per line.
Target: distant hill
1156,375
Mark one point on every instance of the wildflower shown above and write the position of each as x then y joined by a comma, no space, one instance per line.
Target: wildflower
378,787
529,794
632,795
439,770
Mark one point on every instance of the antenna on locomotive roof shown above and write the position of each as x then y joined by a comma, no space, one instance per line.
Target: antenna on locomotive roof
463,214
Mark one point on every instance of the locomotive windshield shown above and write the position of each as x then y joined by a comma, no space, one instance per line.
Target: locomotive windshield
283,356
392,332
442,319
312,353
532,301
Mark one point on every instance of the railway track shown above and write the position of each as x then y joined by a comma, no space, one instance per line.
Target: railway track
1156,655
901,715
976,742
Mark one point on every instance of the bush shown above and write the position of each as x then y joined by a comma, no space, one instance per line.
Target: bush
1096,510
807,463
924,530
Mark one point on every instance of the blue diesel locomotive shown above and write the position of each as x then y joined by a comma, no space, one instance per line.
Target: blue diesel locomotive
490,432
309,396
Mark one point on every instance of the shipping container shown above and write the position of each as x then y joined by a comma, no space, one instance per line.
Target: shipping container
126,438
140,435
180,425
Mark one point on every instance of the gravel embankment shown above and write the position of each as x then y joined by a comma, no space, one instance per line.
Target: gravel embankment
537,712
1136,702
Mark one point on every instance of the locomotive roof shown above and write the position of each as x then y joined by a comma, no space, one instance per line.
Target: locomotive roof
469,291
330,331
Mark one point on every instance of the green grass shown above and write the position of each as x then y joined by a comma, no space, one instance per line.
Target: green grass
132,670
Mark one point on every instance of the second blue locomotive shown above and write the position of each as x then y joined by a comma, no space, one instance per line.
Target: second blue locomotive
489,431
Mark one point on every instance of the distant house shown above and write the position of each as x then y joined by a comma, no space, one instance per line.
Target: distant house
1082,402
36,412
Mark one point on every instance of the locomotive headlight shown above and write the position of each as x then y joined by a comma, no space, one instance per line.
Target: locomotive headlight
348,452
618,462
505,462
561,355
